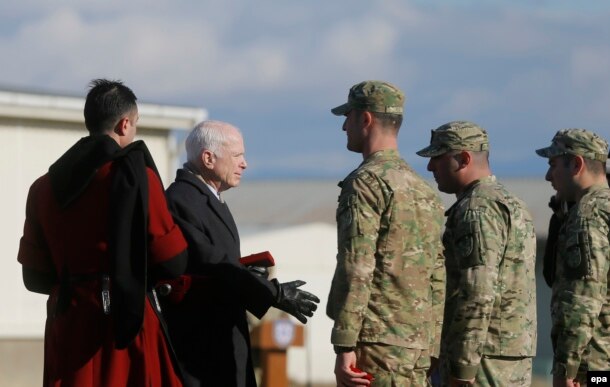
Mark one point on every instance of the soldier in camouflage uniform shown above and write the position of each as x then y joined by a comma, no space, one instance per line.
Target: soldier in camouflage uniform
489,329
580,302
387,293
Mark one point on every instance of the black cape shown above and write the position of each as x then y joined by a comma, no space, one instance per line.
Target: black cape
70,175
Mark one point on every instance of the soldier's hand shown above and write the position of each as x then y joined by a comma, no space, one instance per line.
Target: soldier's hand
344,375
562,381
294,301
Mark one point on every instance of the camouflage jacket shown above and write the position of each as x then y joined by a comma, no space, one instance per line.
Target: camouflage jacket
490,255
580,302
388,285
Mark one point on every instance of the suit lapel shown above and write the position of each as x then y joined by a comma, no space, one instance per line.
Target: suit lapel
224,213
220,209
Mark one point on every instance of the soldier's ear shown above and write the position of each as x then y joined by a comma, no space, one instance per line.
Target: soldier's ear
577,165
367,118
464,159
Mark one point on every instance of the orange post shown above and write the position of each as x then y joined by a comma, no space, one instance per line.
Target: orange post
273,339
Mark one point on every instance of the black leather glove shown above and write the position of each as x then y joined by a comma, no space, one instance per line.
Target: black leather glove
295,301
260,271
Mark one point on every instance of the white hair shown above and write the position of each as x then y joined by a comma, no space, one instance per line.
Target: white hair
208,135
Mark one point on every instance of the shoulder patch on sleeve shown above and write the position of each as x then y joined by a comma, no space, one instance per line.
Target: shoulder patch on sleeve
578,256
347,221
466,246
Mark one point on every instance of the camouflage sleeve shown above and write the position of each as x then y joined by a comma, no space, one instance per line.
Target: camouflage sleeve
438,301
480,237
358,221
582,293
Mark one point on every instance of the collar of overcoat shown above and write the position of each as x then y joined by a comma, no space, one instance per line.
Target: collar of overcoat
219,208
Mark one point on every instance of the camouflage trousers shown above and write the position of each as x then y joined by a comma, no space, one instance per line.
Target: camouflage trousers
393,366
595,357
498,371
591,361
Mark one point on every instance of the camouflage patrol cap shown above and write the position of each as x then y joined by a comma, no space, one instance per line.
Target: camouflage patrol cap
579,142
373,96
456,135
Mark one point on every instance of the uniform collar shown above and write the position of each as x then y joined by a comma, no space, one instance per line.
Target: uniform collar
385,154
382,155
592,189
469,189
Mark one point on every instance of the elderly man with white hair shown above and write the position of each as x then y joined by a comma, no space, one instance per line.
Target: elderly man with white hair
207,318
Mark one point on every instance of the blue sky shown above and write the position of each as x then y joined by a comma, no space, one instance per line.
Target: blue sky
521,69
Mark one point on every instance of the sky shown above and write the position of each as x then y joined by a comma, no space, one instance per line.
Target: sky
522,69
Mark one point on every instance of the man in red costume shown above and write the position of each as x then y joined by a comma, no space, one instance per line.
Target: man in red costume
97,236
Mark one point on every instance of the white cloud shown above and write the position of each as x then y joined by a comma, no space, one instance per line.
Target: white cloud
468,103
531,68
217,52
590,65
360,42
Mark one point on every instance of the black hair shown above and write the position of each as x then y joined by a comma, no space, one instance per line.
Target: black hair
107,102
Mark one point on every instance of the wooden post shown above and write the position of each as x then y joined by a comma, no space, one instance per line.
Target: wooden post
273,339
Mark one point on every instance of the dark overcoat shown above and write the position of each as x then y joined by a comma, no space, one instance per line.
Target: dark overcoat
208,327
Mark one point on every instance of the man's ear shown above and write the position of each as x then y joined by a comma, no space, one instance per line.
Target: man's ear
367,118
577,165
464,158
208,158
121,127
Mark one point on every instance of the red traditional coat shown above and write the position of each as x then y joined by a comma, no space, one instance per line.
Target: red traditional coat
79,341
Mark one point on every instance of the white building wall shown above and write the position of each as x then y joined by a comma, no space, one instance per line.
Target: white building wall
36,130
26,153
305,252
